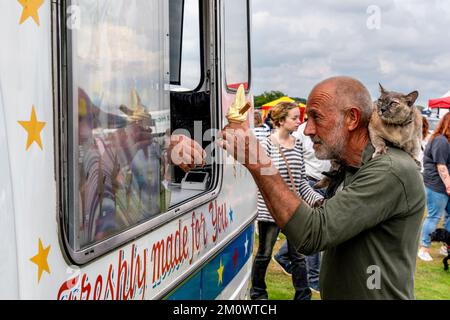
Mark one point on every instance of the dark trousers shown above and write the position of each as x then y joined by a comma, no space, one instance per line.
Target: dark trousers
312,263
268,233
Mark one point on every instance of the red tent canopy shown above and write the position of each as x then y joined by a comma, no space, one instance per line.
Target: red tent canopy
440,103
236,85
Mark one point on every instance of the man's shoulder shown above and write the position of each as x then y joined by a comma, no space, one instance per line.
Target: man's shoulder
399,167
398,163
394,159
397,173
401,161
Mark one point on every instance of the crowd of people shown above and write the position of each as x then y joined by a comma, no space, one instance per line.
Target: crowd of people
367,230
356,239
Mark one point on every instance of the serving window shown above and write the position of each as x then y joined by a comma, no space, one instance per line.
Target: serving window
237,43
120,115
185,44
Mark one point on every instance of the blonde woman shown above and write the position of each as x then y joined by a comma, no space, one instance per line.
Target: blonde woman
286,153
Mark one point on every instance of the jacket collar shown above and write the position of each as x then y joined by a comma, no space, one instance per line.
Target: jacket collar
367,153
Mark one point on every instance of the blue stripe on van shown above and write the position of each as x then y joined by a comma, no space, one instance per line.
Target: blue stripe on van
206,284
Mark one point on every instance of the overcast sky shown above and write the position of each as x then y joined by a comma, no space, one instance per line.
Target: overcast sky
404,44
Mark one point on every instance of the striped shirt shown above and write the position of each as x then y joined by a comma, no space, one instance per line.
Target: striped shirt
262,132
294,157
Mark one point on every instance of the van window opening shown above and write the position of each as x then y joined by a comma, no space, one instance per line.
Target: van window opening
122,114
185,45
237,49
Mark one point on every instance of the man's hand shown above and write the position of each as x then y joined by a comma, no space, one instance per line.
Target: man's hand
185,153
242,145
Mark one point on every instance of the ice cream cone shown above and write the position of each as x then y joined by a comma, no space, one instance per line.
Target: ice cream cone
237,113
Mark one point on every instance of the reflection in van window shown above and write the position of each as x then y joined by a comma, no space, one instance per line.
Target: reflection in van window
123,169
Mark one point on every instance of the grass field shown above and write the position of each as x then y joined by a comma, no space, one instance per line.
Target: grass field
431,282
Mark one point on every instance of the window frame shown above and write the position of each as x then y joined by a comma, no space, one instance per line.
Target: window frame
249,51
65,154
201,28
178,83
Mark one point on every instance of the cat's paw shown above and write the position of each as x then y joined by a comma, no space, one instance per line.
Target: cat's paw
324,183
379,151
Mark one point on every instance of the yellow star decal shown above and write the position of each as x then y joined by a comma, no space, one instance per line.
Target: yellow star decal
41,260
30,9
220,273
34,128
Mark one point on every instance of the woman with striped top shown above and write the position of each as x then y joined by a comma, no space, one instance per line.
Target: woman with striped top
262,130
286,153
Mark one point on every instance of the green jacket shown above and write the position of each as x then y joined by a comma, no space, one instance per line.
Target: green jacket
369,230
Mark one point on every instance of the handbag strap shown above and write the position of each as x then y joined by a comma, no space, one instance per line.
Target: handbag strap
277,144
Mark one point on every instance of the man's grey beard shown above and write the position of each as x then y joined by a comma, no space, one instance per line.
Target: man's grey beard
334,152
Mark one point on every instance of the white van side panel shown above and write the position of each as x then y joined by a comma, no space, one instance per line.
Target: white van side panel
26,80
9,288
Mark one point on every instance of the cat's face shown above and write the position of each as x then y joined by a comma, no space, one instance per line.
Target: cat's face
394,107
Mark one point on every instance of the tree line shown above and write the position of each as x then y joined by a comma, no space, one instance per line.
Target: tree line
269,96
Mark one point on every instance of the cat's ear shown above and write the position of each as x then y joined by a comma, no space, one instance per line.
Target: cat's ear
412,97
382,90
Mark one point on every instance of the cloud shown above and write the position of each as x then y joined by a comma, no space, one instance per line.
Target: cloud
299,43
116,49
110,60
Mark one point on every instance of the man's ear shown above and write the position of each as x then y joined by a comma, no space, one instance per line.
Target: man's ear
353,118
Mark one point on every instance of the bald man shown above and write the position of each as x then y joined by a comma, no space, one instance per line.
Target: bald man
369,230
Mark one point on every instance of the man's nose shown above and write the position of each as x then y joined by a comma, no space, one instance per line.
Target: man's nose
309,129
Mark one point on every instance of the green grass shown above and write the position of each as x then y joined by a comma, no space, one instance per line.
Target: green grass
431,281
